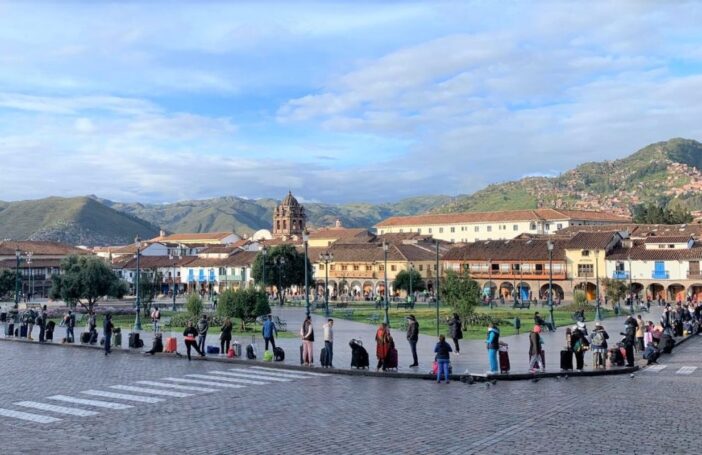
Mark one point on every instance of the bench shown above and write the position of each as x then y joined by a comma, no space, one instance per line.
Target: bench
280,324
522,305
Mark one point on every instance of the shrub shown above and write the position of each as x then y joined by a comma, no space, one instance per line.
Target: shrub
194,305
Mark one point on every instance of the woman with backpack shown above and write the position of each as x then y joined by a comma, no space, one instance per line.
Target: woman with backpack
225,337
599,346
580,345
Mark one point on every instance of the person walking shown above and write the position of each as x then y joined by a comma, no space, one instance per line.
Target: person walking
413,337
190,334
329,341
493,345
202,327
225,337
535,349
442,350
640,334
107,328
382,349
629,340
42,320
599,346
156,319
456,331
269,332
307,334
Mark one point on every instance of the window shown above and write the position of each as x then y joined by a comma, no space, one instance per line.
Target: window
515,227
585,253
489,228
381,268
332,267
671,246
476,228
369,268
382,232
441,230
532,226
435,267
453,229
400,230
344,267
585,270
430,230
356,268
393,268
559,226
419,230
547,226
421,267
321,266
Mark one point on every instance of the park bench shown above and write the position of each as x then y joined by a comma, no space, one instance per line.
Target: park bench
280,324
524,305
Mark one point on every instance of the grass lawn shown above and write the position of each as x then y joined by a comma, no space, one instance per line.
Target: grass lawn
426,316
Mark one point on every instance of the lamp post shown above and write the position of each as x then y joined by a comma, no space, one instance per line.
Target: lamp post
437,287
411,269
175,289
385,270
137,321
490,282
631,288
280,263
264,252
598,315
326,257
30,285
551,321
17,277
210,282
305,239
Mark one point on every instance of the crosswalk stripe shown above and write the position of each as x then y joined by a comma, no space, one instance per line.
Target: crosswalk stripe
122,396
176,386
165,393
27,416
254,376
96,403
57,409
217,378
308,373
655,368
686,370
268,373
210,383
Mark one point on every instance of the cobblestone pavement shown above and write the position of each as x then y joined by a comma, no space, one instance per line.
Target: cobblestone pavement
70,400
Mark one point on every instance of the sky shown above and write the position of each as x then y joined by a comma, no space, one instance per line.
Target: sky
339,102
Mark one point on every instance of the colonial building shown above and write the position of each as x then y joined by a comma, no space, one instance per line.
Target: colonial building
502,225
289,218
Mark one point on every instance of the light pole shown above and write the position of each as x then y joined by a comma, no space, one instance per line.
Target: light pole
305,239
280,262
490,282
437,287
175,289
326,257
598,315
30,285
137,321
17,277
552,321
411,269
210,282
264,252
385,270
631,288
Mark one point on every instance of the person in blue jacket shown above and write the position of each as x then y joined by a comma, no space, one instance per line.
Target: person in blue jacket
269,332
442,350
493,345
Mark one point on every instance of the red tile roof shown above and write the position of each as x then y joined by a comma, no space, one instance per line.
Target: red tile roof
37,248
507,250
638,252
590,240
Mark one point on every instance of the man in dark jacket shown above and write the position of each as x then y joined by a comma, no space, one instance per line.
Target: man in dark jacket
202,327
413,337
107,332
41,322
629,340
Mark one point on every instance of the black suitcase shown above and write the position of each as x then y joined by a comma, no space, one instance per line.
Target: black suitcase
359,356
23,331
278,354
49,333
250,353
667,344
134,341
504,361
324,357
391,361
566,360
9,329
85,337
302,361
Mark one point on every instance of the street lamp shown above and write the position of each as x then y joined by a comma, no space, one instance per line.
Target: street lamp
631,288
264,251
411,269
437,287
385,270
17,277
175,289
326,257
30,285
280,262
137,321
598,315
305,239
551,321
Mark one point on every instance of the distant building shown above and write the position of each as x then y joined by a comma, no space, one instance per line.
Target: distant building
502,225
289,218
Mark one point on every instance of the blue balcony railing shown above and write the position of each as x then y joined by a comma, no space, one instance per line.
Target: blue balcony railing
620,275
660,275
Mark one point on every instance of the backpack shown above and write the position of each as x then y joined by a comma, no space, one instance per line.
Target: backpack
598,338
250,353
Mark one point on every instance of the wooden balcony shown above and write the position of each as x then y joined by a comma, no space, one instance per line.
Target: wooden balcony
515,275
347,274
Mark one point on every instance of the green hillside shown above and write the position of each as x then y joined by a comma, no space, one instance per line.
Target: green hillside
77,221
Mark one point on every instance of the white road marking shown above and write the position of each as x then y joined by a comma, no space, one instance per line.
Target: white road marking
57,409
686,370
122,396
165,393
267,373
309,373
655,368
96,403
176,386
217,378
27,416
250,375
210,383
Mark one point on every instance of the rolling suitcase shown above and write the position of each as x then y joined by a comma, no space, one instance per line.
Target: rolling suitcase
9,329
49,333
215,350
504,361
171,345
237,349
134,341
566,360
250,352
117,339
23,331
391,360
324,358
278,354
85,337
302,360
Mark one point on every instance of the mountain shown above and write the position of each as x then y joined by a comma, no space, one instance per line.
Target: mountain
246,216
76,221
665,173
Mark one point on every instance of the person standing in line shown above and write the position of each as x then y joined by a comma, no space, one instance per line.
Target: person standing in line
535,349
580,345
190,333
307,335
156,318
269,332
70,322
225,337
413,337
493,345
107,332
92,327
41,321
31,318
442,350
202,327
329,341
640,334
382,349
599,346
629,339
456,330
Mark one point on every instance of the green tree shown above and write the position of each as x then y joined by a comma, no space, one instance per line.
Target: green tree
7,282
249,304
194,305
402,281
615,290
579,298
226,305
660,214
461,293
149,287
290,273
84,280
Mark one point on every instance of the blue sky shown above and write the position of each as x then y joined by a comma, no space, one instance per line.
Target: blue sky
340,102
